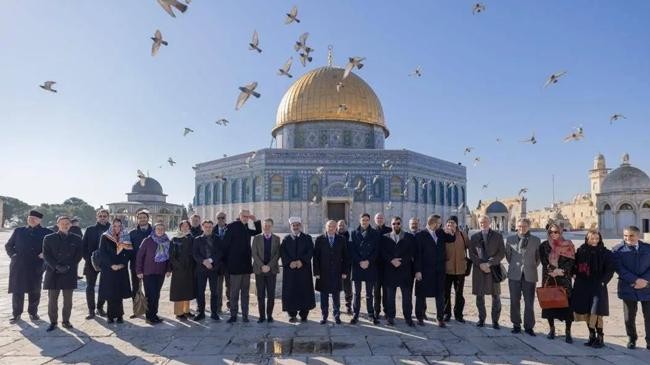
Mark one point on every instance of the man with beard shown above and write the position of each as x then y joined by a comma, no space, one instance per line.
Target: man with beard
137,235
364,253
89,244
296,251
342,229
380,290
195,225
25,247
397,249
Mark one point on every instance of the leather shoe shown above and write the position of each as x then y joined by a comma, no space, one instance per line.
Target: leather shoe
337,320
14,319
293,320
34,317
410,323
51,327
133,316
261,320
496,326
441,323
375,320
516,329
270,319
323,321
530,332
200,316
120,320
232,320
480,324
446,318
245,319
100,312
390,322
215,317
354,320
303,319
460,320
420,322
67,325
631,344
90,316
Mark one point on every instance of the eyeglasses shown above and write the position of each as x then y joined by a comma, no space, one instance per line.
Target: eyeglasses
554,232
397,224
102,216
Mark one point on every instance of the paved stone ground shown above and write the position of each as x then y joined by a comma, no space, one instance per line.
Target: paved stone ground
174,342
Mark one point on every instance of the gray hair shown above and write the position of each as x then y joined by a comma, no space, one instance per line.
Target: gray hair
524,220
634,229
269,221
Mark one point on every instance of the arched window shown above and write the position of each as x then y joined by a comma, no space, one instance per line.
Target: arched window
607,207
455,196
464,197
277,187
208,194
395,188
314,189
224,195
433,192
359,185
233,191
412,191
197,198
257,189
441,189
215,193
378,188
294,188
646,205
246,190
625,206
424,185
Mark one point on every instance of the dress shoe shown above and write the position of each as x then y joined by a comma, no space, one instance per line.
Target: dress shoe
66,324
120,320
270,319
261,320
133,316
567,337
349,309
245,319
592,338
441,323
354,320
600,342
410,323
152,321
14,319
51,327
323,321
551,334
293,320
460,320
303,319
34,317
110,321
426,318
90,316
420,322
480,323
101,312
375,320
232,319
496,326
200,316
631,344
530,332
181,317
337,320
516,329
390,322
446,318
215,317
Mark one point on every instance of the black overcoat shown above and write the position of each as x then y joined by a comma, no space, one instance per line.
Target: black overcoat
90,243
594,270
403,249
330,263
364,248
182,264
26,268
297,284
113,285
61,253
238,255
431,261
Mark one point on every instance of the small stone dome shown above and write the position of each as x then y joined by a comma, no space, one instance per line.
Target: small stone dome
625,178
150,186
496,207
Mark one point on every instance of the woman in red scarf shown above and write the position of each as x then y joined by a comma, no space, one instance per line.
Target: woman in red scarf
558,265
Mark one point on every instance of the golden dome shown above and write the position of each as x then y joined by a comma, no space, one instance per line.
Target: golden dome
313,97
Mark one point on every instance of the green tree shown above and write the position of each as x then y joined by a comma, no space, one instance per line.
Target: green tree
14,209
73,207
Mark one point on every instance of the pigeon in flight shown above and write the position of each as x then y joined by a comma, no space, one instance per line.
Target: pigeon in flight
576,135
352,63
477,161
47,85
246,92
339,86
302,42
361,187
305,57
389,205
157,41
223,121
405,192
292,16
255,42
167,5
531,140
285,69
314,200
387,164
220,177
342,108
187,131
320,169
142,177
171,162
375,179
417,72
451,184
554,78
522,191
478,8
468,150
498,140
485,186
612,119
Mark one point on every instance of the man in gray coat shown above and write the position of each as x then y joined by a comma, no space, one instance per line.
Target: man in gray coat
266,253
522,254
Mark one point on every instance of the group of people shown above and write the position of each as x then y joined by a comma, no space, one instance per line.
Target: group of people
371,260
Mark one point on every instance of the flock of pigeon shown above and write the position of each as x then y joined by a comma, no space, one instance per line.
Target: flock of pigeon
304,54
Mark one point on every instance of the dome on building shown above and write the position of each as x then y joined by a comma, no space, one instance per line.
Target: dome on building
314,97
625,178
496,207
599,162
150,186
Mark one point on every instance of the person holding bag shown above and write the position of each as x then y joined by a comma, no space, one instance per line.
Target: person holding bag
115,252
594,269
181,260
558,265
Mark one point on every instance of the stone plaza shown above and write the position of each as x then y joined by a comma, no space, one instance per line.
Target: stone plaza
209,342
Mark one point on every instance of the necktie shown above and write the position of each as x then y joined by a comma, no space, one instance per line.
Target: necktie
331,241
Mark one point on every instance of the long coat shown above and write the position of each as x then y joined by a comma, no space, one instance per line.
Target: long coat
297,284
202,249
258,255
183,265
26,268
492,252
113,285
568,265
431,261
330,263
594,270
61,253
362,249
403,249
90,243
238,247
632,264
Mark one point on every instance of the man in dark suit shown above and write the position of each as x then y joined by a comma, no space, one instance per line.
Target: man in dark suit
219,233
239,260
342,229
364,252
89,244
208,255
379,289
330,268
137,235
397,249
266,254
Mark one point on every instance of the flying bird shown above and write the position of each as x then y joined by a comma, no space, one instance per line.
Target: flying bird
246,92
220,177
451,184
498,140
468,150
167,5
292,16
320,169
352,63
417,72
485,186
305,57
157,41
171,162
477,161
405,192
361,187
342,108
522,191
531,140
554,78
375,179
389,205
478,8
142,177
255,42
314,200
302,42
187,131
576,135
339,86
285,69
223,121
387,164
612,119
47,85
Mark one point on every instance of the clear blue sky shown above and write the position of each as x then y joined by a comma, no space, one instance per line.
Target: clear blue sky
118,109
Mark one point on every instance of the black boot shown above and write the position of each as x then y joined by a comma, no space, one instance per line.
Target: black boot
600,341
551,332
567,333
592,337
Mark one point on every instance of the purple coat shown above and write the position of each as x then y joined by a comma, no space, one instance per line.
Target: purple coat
145,263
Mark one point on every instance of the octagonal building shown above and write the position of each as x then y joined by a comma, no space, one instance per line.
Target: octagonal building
330,163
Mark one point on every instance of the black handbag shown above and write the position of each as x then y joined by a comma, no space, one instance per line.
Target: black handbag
499,273
468,267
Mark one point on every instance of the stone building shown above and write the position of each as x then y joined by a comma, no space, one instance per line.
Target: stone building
330,163
503,213
147,194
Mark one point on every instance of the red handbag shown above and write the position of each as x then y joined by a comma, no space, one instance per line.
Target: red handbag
552,296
